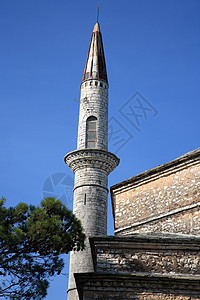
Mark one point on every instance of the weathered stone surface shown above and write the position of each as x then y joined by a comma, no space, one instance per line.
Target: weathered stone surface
163,199
91,158
91,168
137,286
156,253
94,102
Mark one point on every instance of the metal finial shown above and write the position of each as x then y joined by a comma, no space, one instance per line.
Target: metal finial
98,13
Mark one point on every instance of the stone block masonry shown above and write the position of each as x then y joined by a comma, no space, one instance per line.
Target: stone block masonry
91,162
143,267
163,199
93,286
149,253
94,102
91,168
147,258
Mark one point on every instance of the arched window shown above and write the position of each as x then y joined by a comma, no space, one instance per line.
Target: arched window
91,132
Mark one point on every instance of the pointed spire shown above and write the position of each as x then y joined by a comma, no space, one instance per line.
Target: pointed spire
95,67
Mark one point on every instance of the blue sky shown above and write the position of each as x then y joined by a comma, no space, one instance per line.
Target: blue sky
152,50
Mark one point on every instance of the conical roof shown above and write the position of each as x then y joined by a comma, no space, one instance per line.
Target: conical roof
95,67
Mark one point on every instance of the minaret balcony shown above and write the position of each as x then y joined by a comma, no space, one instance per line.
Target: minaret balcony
94,158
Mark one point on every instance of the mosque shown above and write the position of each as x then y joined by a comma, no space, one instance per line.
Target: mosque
155,250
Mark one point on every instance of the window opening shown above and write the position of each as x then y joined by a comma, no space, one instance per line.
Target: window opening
91,132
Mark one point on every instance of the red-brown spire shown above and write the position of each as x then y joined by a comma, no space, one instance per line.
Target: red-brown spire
95,67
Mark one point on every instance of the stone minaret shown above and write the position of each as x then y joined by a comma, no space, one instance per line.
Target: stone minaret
91,162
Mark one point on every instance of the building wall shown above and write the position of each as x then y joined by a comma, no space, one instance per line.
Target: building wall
131,295
172,257
186,221
165,200
138,288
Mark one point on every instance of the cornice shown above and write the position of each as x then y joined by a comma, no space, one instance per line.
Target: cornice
186,160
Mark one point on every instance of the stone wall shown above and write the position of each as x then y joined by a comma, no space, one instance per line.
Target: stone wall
186,221
147,253
138,287
163,199
143,267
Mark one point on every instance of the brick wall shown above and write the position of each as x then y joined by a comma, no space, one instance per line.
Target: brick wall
163,199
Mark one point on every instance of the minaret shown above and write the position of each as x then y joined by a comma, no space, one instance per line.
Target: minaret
91,162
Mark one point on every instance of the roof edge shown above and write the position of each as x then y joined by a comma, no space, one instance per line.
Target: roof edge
150,237
82,278
159,169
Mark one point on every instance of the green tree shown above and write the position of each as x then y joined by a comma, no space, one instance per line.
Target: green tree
31,241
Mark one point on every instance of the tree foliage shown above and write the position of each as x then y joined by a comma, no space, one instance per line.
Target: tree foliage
31,241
